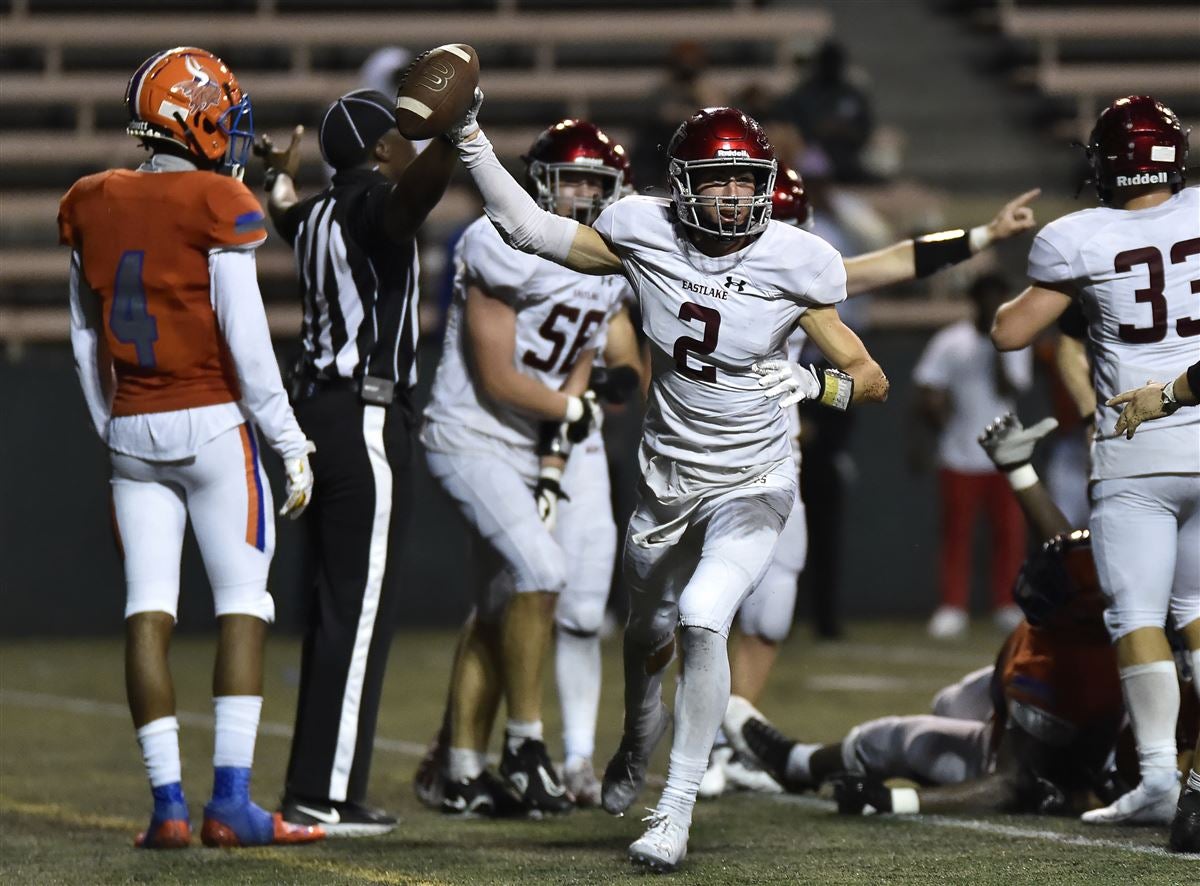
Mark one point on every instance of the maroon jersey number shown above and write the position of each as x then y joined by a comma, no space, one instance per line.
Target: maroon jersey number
711,319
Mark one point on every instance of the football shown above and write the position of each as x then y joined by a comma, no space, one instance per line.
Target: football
436,90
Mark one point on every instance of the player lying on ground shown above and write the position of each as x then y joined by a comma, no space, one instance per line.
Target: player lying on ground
521,337
765,618
1034,733
1132,264
720,289
175,360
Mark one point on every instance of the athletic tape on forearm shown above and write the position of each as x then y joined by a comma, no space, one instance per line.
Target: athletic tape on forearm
521,222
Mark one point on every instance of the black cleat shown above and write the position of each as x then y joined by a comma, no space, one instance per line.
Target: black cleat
1185,828
530,775
483,796
770,747
338,819
429,782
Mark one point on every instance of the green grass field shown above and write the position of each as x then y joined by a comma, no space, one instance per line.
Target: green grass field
72,791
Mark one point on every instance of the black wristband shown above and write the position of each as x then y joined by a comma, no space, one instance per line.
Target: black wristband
270,178
932,252
1193,380
552,440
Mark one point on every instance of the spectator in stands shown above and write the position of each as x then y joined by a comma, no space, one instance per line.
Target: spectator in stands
962,384
680,95
831,111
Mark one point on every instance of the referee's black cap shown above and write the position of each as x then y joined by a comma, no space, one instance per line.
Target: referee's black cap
352,125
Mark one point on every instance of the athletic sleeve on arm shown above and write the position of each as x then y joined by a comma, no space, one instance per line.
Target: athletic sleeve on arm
1047,264
85,344
238,306
235,217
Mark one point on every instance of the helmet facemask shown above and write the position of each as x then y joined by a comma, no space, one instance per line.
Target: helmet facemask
238,125
550,180
750,213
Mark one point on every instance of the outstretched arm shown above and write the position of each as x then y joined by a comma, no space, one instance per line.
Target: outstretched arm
846,351
1019,321
926,255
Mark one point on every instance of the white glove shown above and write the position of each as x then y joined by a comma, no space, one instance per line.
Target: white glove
1009,444
299,483
547,493
466,126
788,381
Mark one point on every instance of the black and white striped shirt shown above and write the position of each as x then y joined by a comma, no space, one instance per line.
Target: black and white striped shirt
359,287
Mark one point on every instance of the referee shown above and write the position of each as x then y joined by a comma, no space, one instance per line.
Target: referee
357,261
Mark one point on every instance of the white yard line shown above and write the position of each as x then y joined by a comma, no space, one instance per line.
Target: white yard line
47,701
933,654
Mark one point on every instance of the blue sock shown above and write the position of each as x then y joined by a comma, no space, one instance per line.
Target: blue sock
231,785
169,802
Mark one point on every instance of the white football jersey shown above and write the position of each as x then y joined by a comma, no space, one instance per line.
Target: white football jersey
1138,276
708,321
560,313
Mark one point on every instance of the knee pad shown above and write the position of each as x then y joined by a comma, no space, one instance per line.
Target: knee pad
248,599
581,613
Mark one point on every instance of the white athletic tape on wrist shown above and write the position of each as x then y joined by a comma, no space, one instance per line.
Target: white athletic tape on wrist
550,472
574,410
1022,477
979,239
836,389
905,801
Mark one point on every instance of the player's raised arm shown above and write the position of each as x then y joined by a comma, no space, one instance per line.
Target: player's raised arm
928,254
521,222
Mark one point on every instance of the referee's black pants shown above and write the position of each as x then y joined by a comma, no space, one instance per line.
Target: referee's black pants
359,513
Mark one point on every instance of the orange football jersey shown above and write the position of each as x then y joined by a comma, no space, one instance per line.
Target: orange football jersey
144,240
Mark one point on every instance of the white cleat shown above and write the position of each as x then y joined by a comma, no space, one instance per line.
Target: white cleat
1139,806
713,783
582,784
948,623
664,845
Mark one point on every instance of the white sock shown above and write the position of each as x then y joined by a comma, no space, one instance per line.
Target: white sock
464,764
236,729
1193,781
517,731
577,673
160,751
798,762
700,704
1152,699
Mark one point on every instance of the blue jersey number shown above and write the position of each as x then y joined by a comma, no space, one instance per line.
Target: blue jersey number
129,320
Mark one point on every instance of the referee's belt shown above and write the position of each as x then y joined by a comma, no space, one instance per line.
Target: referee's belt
371,389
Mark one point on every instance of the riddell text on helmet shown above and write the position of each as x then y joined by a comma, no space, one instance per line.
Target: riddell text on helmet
1145,178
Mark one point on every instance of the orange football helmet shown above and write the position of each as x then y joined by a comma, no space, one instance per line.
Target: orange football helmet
189,97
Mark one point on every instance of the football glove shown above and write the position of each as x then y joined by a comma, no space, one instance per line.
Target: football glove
465,127
299,483
791,383
583,416
1009,444
859,794
546,493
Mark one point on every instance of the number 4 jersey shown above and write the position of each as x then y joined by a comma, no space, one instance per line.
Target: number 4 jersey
709,320
1137,274
559,314
144,240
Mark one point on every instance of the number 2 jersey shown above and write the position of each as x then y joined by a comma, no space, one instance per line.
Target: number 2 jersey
1137,275
709,320
559,314
184,350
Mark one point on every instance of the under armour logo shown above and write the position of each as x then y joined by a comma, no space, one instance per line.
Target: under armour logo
730,283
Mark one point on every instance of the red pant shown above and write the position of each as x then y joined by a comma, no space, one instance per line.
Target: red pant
962,497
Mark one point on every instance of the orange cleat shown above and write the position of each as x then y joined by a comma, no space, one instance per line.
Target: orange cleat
216,833
171,833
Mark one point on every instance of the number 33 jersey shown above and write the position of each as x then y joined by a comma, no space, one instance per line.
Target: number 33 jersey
144,240
709,320
1137,275
559,314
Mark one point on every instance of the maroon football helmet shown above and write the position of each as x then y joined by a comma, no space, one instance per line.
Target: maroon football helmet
1137,141
789,200
577,146
719,138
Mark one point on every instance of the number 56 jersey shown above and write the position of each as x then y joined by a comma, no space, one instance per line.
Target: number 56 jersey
559,314
144,240
1137,275
709,320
